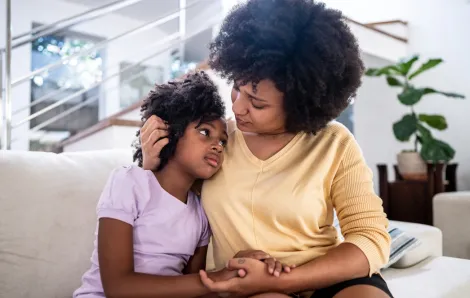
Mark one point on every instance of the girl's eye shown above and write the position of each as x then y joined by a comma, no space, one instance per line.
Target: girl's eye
204,132
223,143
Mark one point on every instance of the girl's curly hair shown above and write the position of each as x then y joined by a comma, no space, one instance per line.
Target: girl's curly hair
194,98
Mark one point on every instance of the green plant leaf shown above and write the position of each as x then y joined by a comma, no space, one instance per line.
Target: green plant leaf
394,82
426,66
436,151
405,128
435,121
410,95
448,94
424,133
406,65
387,70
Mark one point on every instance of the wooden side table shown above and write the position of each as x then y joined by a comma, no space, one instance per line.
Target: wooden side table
411,201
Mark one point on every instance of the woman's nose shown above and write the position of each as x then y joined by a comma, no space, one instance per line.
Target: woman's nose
238,104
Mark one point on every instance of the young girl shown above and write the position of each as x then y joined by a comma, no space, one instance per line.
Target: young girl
152,228
152,232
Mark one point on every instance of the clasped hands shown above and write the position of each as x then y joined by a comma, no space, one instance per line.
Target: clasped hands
248,273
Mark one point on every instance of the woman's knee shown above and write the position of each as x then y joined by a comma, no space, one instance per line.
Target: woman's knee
363,291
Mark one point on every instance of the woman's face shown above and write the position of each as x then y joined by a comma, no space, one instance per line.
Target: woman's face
259,112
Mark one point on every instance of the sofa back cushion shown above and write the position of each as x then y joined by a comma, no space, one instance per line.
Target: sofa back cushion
48,218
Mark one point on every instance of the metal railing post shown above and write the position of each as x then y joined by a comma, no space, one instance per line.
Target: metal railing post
1,101
182,27
7,112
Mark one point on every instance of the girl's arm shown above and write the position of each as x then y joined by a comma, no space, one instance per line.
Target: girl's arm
197,262
116,259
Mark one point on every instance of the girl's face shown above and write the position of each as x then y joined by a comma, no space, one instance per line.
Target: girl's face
200,151
259,112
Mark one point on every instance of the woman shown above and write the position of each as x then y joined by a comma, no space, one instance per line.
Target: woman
295,66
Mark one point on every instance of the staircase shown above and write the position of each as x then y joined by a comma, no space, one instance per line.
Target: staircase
90,70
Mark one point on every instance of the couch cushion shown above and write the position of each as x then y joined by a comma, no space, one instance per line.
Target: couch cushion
48,204
440,277
430,243
451,211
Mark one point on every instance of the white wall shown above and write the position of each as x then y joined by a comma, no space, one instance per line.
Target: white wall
25,12
444,31
375,109
436,28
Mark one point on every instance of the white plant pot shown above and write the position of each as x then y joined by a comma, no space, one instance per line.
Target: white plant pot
411,166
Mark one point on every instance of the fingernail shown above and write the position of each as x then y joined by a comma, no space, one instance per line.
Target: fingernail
276,274
271,271
226,265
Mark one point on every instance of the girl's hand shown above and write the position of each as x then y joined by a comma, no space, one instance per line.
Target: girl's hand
256,281
274,267
153,137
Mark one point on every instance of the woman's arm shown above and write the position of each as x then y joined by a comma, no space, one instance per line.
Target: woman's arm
116,259
363,224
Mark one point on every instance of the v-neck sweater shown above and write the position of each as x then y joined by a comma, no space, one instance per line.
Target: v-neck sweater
285,205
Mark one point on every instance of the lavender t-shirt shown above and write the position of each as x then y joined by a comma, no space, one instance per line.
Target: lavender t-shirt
166,231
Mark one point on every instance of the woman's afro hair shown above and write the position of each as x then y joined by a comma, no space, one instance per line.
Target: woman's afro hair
306,49
194,98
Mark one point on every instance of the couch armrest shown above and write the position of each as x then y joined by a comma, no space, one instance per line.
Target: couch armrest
430,239
451,212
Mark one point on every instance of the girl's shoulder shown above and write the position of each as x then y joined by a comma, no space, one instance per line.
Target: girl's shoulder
129,174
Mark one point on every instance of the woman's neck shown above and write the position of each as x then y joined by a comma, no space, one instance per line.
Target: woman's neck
175,181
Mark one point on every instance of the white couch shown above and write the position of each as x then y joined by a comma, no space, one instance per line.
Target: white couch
47,225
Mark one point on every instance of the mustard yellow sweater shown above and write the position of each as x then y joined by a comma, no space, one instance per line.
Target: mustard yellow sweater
284,205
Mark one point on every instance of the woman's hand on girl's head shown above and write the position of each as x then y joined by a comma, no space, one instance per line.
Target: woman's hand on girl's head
274,266
153,137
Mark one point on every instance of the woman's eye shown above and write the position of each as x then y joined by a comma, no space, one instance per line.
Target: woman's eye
204,132
257,107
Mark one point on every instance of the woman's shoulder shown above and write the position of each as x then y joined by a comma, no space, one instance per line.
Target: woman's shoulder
336,131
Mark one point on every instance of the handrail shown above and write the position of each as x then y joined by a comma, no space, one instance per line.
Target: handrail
61,89
8,86
83,91
164,41
390,22
102,44
399,38
66,23
82,104
41,99
65,87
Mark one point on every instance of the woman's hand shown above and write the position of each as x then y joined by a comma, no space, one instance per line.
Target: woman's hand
256,281
274,267
153,137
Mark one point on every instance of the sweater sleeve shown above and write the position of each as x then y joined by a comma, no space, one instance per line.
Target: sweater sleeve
360,212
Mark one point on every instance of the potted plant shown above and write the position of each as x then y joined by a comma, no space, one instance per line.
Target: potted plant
413,126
